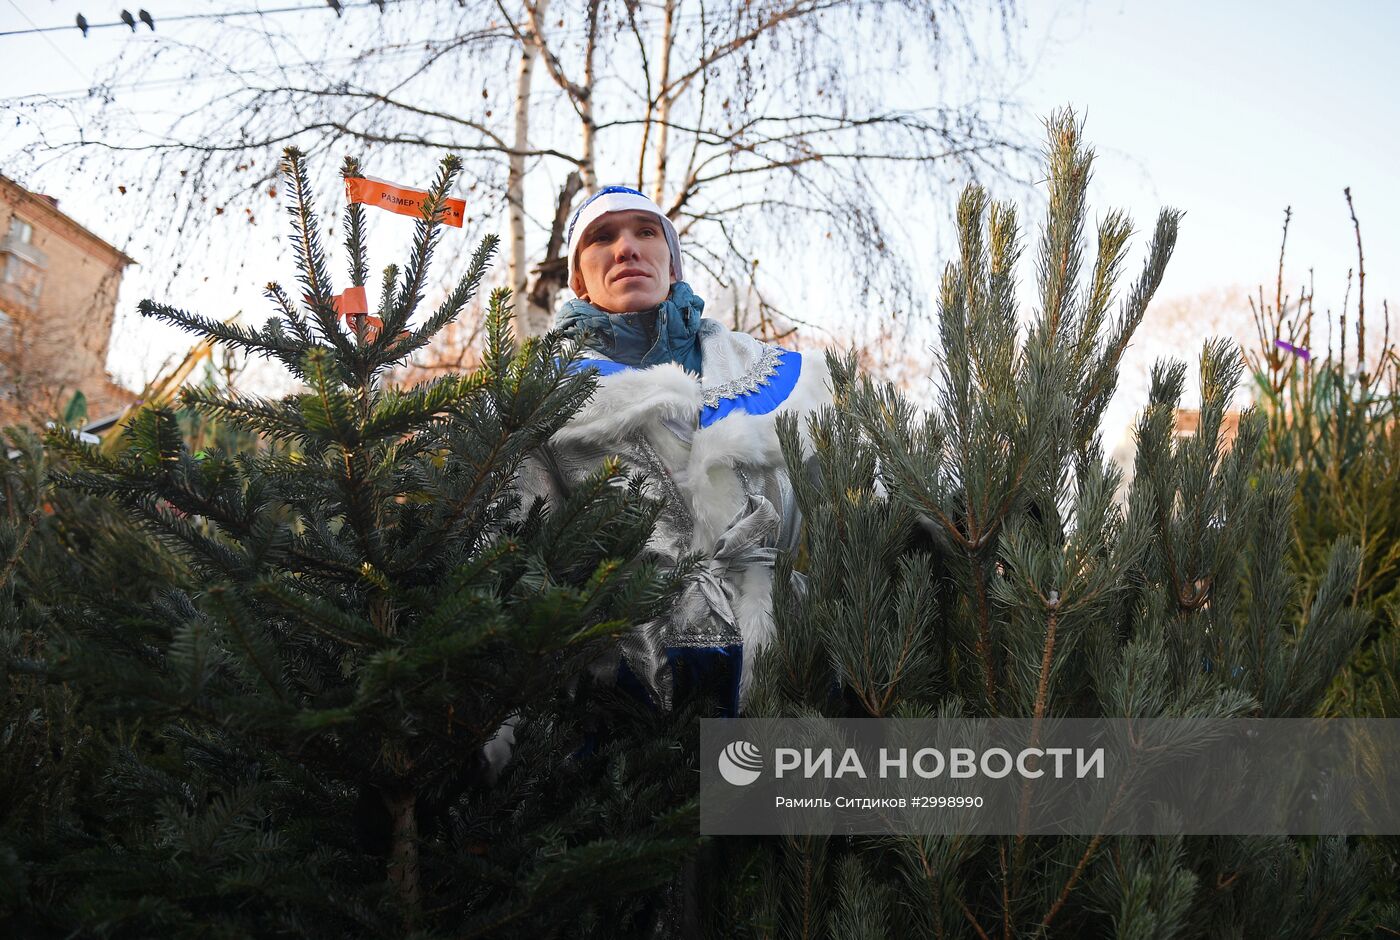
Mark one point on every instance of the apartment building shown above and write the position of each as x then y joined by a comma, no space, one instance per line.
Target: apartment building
58,297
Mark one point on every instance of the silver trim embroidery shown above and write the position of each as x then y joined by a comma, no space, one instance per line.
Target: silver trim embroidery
764,369
745,481
673,501
706,640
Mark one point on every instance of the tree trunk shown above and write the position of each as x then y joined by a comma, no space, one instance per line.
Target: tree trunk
552,274
526,323
403,850
663,102
588,169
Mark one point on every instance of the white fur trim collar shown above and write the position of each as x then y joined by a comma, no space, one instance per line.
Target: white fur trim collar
735,363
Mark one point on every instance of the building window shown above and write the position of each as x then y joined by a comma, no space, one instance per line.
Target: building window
24,277
22,264
9,358
20,230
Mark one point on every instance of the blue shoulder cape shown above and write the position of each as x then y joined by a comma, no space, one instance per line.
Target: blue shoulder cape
774,381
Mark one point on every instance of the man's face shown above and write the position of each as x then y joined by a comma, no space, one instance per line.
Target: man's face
624,263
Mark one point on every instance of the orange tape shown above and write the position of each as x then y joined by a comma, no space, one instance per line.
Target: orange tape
352,306
385,195
351,302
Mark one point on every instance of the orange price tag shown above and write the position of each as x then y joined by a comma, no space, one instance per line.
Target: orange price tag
351,302
385,195
352,306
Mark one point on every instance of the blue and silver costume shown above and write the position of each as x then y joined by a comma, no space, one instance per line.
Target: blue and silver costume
710,451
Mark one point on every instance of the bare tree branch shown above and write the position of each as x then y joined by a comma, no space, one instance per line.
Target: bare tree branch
762,127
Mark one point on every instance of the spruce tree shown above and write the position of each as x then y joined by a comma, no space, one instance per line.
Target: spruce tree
63,553
977,559
297,725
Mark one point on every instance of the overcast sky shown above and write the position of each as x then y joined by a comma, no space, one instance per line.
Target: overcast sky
1228,110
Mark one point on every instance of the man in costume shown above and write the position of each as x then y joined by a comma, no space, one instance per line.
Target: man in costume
694,406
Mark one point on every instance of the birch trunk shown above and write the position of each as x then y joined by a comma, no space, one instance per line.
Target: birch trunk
588,171
515,188
663,101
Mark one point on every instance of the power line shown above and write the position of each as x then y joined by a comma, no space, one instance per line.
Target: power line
336,7
73,94
308,8
21,12
379,55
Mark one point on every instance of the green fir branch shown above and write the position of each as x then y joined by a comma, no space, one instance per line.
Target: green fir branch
319,614
301,329
450,308
306,239
252,645
264,344
275,420
329,412
398,412
354,227
311,262
388,291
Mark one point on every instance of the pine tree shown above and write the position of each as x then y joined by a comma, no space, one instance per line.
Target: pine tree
298,726
976,559
1332,421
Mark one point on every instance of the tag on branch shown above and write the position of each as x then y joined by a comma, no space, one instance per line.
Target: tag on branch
382,194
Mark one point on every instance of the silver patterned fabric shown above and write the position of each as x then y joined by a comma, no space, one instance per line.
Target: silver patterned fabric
704,616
